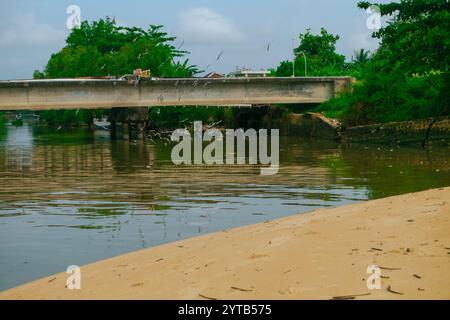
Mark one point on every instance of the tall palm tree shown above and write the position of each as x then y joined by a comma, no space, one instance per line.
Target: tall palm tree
361,56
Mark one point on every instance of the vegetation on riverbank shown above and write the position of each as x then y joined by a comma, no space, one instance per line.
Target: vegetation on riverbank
408,76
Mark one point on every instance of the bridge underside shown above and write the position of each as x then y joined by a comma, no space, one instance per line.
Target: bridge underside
105,93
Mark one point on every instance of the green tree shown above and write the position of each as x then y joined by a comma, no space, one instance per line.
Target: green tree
38,74
408,77
416,38
101,48
320,52
360,57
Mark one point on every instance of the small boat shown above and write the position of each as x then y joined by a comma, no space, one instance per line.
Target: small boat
102,123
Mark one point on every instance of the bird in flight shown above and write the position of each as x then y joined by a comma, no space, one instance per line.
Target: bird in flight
219,56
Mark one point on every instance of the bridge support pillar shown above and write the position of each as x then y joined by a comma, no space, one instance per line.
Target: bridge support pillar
140,130
125,131
131,119
113,130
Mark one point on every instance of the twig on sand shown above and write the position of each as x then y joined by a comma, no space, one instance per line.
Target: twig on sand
390,269
376,249
240,289
350,297
393,291
206,297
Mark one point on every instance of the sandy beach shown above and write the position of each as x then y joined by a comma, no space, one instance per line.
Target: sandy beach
317,255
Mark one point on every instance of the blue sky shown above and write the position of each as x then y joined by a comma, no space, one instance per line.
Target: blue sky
31,30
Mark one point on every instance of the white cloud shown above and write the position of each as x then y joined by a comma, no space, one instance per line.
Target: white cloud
24,30
204,25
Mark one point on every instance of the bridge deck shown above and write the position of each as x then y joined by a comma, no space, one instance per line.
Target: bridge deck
106,93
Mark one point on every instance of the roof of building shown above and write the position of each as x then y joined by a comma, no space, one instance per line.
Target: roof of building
249,72
214,75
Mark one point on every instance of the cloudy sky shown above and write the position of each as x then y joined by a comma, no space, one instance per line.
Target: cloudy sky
253,33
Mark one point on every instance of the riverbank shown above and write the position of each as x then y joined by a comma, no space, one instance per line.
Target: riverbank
418,132
421,132
318,255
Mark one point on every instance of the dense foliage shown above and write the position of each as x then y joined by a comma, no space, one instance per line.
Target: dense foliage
408,77
101,48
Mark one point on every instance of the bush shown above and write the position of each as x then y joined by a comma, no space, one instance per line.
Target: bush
408,77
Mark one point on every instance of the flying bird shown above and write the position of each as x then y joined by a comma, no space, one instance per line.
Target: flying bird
219,56
267,46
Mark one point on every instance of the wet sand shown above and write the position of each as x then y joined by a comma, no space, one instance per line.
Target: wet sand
317,255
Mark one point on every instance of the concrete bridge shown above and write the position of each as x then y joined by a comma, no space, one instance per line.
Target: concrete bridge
116,93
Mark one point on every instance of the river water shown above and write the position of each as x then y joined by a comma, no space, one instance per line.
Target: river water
71,198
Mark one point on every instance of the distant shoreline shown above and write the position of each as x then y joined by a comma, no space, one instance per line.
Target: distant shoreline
318,255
